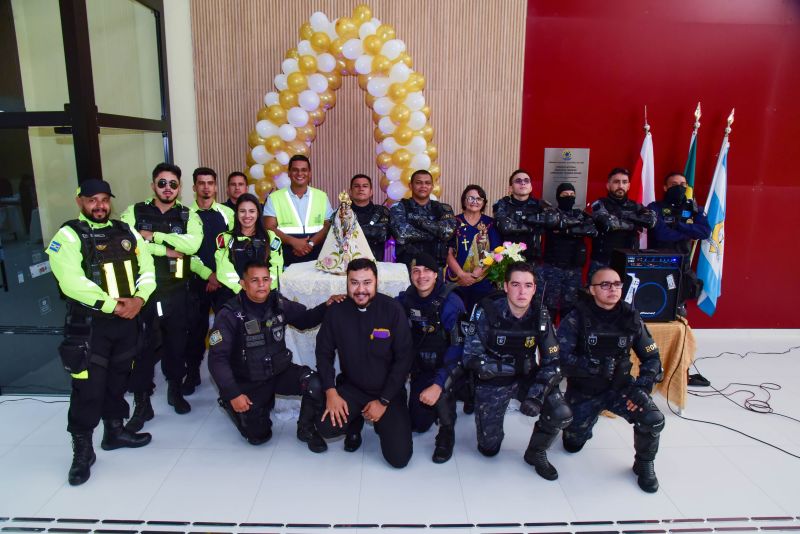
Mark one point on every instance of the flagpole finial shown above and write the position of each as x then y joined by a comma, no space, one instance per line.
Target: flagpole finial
697,114
730,121
646,126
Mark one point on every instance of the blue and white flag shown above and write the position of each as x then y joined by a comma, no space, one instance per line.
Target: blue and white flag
709,265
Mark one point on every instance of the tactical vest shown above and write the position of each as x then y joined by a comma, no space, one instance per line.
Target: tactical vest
604,243
259,352
672,216
243,249
564,250
109,256
435,247
170,272
512,342
431,339
520,214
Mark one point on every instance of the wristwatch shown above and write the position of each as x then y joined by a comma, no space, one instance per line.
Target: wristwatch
310,243
383,401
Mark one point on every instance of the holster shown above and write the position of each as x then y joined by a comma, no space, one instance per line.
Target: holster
75,348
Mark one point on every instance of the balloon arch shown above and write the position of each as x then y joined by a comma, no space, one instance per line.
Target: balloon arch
361,46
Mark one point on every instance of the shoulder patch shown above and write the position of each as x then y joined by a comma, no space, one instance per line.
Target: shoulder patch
215,337
55,246
220,241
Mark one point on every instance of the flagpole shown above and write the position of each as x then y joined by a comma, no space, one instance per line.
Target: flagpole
728,130
697,114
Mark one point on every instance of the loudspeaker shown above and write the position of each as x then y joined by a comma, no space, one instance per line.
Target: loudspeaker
652,281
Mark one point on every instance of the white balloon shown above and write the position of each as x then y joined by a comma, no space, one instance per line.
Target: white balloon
383,105
399,73
377,87
308,100
376,22
434,197
280,82
331,30
392,48
282,157
252,189
266,129
289,66
326,62
396,190
282,181
364,64
386,125
287,132
367,28
417,145
297,117
352,48
271,98
304,48
379,148
393,173
421,161
415,101
318,83
319,21
260,154
257,171
417,120
390,146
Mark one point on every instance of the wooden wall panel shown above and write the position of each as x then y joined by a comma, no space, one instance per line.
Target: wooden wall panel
471,54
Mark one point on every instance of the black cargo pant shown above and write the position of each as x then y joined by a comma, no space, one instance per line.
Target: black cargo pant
200,303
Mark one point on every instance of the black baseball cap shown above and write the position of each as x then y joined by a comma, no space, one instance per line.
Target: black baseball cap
423,259
90,188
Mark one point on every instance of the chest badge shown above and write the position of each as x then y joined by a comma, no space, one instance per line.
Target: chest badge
102,247
622,342
592,339
530,342
277,333
126,245
240,316
501,340
666,211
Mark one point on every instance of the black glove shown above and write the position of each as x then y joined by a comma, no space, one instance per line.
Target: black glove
637,395
607,368
531,407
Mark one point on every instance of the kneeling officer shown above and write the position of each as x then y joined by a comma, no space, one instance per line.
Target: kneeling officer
250,363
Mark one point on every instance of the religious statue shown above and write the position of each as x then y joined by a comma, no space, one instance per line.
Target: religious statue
345,241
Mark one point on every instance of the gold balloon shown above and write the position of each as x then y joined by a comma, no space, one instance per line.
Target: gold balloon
385,32
320,42
334,80
307,132
272,168
432,151
401,157
372,45
435,171
361,14
426,110
405,176
317,116
336,47
376,118
292,53
297,147
415,82
273,144
403,134
287,98
427,132
250,179
405,58
400,114
307,64
437,190
407,194
297,82
341,66
327,99
250,161
381,64
384,183
263,187
378,135
263,113
369,100
384,160
306,31
253,139
397,92
349,67
346,28
363,80
276,114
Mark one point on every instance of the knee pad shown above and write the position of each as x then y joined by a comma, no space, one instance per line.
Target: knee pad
256,425
558,414
311,385
572,444
650,422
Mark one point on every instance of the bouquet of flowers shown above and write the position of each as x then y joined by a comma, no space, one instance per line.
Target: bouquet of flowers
497,261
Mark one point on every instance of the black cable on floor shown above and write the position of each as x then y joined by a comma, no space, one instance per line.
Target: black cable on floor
32,399
669,384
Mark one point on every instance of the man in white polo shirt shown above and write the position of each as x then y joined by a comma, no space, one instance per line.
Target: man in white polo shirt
299,214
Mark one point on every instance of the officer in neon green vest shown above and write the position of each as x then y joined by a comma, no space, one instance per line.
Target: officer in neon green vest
299,214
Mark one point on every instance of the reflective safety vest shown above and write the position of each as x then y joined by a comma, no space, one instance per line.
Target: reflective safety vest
289,220
109,256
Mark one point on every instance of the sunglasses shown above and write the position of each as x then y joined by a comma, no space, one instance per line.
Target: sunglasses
162,183
522,181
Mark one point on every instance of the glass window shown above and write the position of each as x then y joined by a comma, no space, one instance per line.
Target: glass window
128,158
123,39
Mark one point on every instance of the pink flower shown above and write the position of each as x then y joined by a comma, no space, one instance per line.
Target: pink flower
498,257
507,244
523,246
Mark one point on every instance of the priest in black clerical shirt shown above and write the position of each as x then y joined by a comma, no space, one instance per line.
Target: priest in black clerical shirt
370,331
373,218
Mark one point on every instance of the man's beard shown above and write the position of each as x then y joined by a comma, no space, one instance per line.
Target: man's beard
371,298
95,219
165,201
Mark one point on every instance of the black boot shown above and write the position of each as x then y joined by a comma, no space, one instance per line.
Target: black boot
142,411
646,447
82,458
116,436
190,381
445,440
536,454
306,431
469,406
352,442
175,398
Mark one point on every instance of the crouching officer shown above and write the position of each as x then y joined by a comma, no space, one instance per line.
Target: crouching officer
500,348
434,314
250,363
595,341
106,274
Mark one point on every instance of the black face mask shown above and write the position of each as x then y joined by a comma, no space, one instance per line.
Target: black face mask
566,203
675,194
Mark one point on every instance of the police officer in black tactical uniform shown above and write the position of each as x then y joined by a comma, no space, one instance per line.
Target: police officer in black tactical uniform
500,348
434,313
618,219
420,224
595,341
250,363
522,218
373,218
173,233
565,253
95,260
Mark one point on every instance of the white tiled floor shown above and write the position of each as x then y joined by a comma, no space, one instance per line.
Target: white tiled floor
198,468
